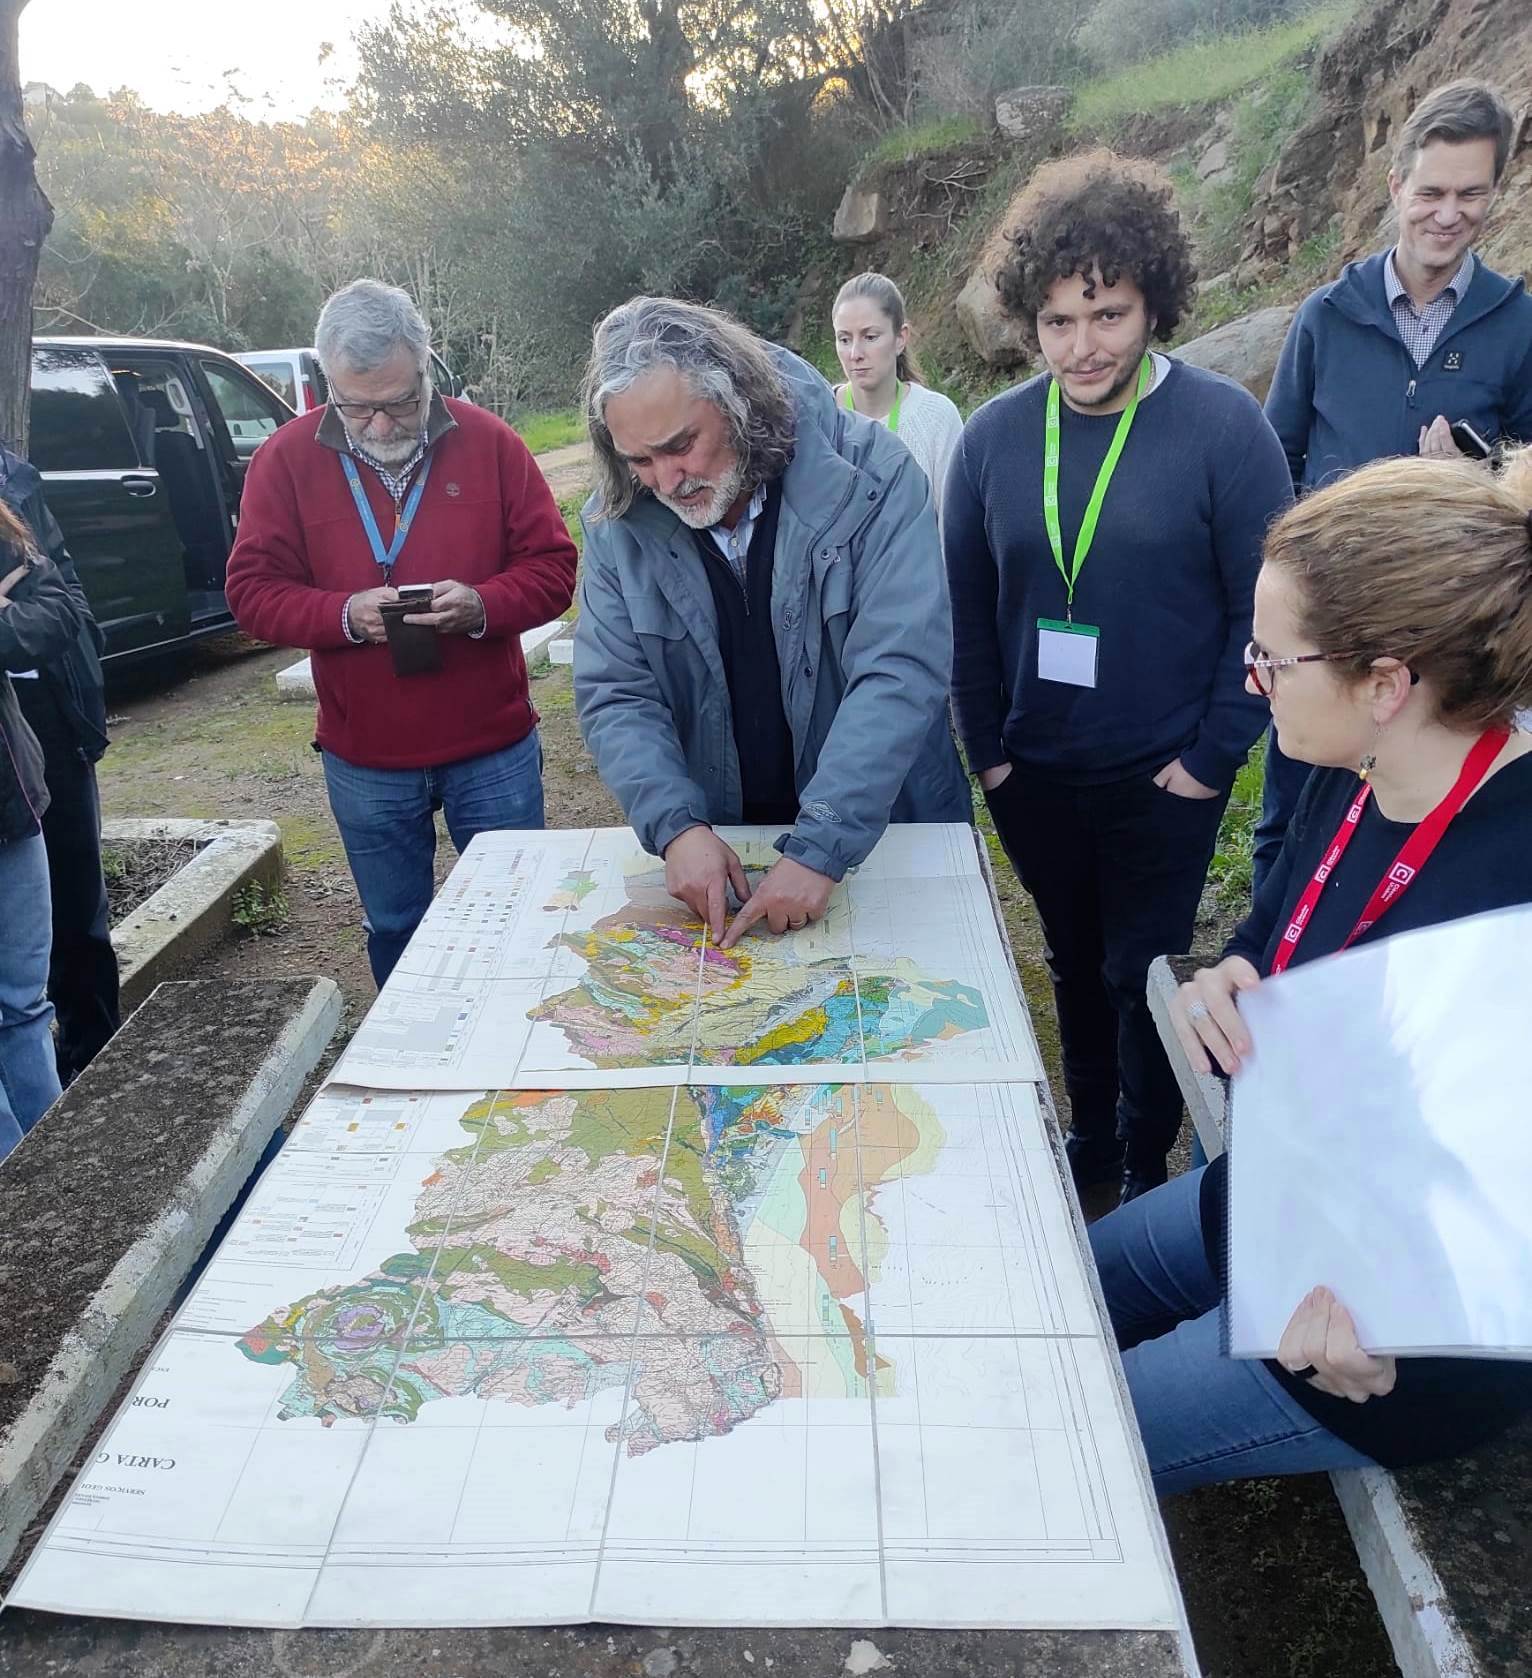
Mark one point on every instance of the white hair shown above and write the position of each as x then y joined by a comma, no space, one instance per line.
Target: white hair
363,323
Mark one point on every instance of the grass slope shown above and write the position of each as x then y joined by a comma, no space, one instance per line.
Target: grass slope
1202,72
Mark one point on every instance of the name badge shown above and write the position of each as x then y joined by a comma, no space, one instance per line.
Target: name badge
1066,652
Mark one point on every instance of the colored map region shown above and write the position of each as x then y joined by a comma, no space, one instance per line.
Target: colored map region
677,1244
656,993
572,890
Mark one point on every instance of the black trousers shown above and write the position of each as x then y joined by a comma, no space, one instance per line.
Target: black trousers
1116,872
82,972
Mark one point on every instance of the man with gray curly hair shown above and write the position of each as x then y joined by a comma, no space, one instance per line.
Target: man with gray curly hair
393,495
764,631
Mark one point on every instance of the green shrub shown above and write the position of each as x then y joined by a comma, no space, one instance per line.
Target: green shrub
259,909
1230,870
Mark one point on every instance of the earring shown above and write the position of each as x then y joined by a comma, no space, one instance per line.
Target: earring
1369,763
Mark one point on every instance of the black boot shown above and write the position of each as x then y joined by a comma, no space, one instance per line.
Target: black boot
1139,1178
1093,1160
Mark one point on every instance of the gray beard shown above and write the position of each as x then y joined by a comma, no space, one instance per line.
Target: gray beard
397,451
708,513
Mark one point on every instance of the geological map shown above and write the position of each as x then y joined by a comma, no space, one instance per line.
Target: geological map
777,1331
571,964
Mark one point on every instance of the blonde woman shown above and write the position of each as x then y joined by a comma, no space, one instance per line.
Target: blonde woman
1393,642
884,379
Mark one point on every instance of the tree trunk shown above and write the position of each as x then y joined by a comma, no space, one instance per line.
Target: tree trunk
25,219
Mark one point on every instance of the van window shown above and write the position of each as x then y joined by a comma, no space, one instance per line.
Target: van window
77,421
278,373
249,413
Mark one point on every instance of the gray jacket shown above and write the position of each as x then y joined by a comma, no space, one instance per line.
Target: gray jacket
863,628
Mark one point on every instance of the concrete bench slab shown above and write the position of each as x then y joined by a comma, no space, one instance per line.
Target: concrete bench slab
107,1204
1447,1548
29,1641
297,680
194,909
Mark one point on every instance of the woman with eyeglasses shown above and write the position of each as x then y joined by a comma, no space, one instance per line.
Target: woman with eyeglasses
1393,640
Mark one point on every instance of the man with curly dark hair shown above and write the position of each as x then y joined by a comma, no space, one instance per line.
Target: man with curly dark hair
1105,523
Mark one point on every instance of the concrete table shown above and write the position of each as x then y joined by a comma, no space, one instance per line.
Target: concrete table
30,1641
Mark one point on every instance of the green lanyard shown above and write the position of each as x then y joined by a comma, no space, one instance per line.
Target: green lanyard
893,413
1098,494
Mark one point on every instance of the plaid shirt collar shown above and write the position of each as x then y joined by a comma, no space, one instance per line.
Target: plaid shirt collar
1458,285
396,479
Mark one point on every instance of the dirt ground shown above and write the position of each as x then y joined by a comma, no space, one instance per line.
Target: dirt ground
567,470
1271,1581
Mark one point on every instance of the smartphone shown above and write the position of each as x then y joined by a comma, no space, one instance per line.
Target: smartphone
1469,441
417,593
414,647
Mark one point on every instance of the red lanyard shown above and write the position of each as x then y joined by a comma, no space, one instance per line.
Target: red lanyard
1412,854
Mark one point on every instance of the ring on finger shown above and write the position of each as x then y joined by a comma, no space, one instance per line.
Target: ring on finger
797,926
1196,1010
1307,1373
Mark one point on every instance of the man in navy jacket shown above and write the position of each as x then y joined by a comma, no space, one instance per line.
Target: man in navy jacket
1384,360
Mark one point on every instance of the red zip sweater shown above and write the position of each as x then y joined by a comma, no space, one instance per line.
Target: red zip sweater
487,519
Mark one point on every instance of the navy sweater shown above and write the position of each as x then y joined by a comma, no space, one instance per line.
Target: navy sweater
1347,391
1168,581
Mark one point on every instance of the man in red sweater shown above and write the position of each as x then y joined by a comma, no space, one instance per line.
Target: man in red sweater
388,486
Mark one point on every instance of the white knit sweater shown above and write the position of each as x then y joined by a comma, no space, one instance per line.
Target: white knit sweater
929,427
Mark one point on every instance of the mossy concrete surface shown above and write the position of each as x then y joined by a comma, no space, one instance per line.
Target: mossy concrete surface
108,1202
194,909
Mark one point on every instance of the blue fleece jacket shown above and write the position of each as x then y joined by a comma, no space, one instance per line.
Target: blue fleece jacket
1168,582
1347,391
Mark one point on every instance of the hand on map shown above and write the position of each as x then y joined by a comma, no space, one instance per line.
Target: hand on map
363,615
1322,1334
788,898
1206,1016
1174,779
699,869
456,609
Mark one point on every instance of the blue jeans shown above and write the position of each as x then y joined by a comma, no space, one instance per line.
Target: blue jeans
29,1080
386,822
1204,1417
1285,780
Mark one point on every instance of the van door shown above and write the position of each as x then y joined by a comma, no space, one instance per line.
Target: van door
160,391
109,502
247,411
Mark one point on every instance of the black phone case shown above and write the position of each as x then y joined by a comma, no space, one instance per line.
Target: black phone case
414,647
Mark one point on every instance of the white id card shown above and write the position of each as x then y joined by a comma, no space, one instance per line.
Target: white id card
1066,652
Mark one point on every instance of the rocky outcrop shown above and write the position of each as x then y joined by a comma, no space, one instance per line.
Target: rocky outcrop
1244,349
1032,115
1333,172
864,214
991,333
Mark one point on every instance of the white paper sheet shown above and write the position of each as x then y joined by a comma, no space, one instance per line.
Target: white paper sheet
1381,1144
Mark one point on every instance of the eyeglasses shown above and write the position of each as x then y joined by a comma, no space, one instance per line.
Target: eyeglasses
1261,667
406,408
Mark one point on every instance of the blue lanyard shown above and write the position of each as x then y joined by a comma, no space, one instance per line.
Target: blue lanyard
385,558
